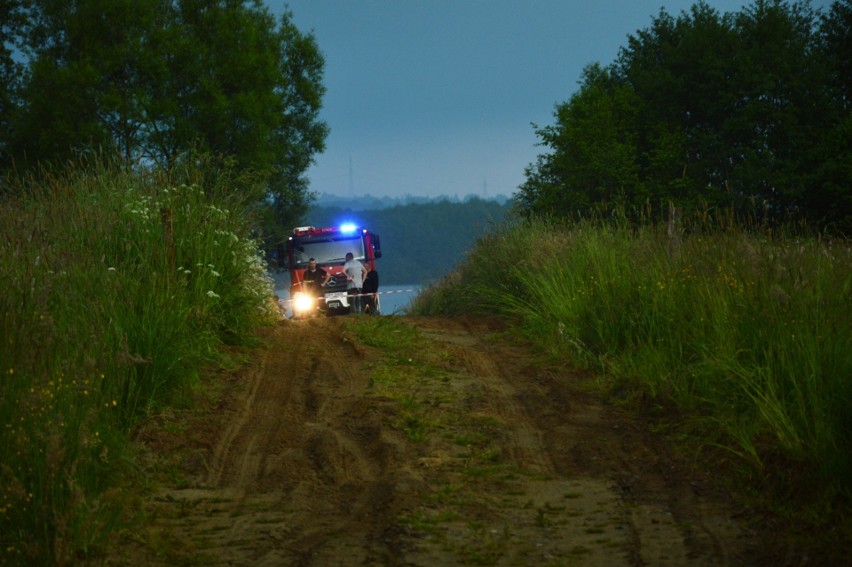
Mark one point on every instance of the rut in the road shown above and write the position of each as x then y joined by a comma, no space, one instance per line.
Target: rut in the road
474,452
302,462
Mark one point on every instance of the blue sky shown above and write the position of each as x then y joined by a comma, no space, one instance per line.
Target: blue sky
437,97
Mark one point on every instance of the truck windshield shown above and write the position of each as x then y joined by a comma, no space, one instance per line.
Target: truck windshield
327,250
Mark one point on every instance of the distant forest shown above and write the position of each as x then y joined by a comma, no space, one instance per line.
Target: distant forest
369,202
421,242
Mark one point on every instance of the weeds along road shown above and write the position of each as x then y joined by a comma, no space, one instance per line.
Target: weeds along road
422,441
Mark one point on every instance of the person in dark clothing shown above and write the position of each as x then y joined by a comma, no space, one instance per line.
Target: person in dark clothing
314,279
370,287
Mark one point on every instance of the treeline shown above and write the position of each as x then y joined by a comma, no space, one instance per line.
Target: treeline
156,83
420,242
746,111
369,202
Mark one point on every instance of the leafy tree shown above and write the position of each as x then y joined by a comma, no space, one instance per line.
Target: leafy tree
647,129
836,35
832,197
301,134
594,148
160,81
11,21
681,70
781,106
86,78
706,109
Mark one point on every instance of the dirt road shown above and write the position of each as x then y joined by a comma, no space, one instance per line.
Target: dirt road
340,445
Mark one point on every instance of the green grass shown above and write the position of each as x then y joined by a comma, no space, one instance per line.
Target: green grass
116,289
401,372
749,333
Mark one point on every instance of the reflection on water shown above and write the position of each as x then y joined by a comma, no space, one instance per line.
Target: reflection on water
392,303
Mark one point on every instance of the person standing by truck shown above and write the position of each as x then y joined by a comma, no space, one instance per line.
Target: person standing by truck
368,292
355,274
314,278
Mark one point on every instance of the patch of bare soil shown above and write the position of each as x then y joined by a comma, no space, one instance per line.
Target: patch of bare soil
325,451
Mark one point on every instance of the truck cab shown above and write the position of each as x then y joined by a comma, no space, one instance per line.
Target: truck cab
329,247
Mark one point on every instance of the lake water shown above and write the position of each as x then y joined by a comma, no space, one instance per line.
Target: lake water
393,298
396,298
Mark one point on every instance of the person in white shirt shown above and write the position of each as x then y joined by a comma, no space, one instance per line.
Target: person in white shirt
355,274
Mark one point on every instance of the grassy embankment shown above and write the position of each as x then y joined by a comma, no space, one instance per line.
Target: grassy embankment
116,291
750,335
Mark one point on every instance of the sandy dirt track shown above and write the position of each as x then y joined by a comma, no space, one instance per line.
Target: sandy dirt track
325,450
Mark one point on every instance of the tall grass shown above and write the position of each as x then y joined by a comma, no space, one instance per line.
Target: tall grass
750,334
114,290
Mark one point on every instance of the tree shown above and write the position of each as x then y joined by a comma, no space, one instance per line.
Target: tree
681,70
157,81
86,78
781,104
11,21
709,110
832,197
594,149
301,134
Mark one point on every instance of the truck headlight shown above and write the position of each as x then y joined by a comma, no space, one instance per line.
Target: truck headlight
302,301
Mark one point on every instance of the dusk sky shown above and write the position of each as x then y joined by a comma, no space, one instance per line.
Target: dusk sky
437,97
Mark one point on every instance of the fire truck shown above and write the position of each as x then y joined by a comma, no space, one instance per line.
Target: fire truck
329,247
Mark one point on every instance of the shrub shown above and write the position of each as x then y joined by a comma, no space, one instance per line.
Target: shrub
117,287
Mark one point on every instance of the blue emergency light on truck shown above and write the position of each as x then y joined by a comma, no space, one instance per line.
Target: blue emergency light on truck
329,247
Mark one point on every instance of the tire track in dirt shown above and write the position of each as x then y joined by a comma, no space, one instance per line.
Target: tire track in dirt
293,385
555,431
523,440
520,465
303,471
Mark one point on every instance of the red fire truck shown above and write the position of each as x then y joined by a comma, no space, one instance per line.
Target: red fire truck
329,247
